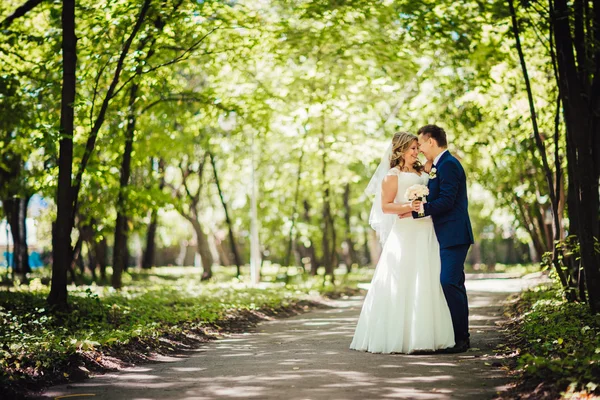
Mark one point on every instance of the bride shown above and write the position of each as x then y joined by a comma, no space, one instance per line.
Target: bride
405,310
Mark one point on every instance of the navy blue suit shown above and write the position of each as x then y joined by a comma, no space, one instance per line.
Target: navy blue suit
447,204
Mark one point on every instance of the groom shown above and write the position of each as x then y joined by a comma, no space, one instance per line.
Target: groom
447,205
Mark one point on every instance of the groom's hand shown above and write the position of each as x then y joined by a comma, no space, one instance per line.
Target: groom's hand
416,205
405,215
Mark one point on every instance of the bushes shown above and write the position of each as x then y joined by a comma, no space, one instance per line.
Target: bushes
559,341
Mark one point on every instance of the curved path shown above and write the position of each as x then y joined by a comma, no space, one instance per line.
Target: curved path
307,357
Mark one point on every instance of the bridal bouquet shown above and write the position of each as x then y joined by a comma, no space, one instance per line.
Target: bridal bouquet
417,192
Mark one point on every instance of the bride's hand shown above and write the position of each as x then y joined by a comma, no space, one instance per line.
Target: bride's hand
427,166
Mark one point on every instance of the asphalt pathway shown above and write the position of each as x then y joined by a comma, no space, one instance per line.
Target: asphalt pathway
307,357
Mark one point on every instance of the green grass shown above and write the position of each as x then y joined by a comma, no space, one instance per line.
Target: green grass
516,269
35,341
560,341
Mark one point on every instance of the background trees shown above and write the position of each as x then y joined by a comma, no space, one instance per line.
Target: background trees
169,109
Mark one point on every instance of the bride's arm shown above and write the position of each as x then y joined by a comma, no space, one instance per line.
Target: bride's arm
389,187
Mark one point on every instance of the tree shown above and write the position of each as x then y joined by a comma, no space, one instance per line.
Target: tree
61,234
575,27
189,193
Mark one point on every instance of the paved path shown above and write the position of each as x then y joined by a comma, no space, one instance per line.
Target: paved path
307,357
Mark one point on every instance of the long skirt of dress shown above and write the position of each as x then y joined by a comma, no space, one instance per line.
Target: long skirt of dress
405,309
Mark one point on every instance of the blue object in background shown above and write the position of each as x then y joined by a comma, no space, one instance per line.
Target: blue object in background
8,259
35,260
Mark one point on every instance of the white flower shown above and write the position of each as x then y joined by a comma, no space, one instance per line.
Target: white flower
432,173
416,192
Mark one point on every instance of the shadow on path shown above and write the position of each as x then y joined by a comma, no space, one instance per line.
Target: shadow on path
307,357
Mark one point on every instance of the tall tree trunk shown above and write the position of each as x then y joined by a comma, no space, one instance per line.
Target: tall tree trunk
61,236
232,242
120,257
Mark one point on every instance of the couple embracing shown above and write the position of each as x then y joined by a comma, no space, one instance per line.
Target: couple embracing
417,301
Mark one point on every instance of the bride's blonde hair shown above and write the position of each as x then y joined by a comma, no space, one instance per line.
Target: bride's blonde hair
400,144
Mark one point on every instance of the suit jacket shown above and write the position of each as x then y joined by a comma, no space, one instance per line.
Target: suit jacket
447,203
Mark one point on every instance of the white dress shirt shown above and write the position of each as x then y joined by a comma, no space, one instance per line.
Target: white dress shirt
438,157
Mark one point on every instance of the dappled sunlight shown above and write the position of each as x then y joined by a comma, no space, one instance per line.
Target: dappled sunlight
309,354
414,393
434,364
137,377
188,369
484,318
234,392
492,285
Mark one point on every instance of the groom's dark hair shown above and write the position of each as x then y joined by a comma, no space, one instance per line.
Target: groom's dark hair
434,132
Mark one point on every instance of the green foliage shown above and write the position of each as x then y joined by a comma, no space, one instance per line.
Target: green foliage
310,91
561,341
36,340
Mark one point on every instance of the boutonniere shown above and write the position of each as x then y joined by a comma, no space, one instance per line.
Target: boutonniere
433,173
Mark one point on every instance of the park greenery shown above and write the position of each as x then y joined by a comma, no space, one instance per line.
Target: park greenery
129,116
557,343
166,310
149,125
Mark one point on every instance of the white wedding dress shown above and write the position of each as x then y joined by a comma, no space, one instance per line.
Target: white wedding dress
405,309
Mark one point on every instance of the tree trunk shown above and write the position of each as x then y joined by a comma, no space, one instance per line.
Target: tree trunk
312,254
232,242
75,261
16,215
61,235
202,248
542,150
366,250
291,240
476,253
92,263
327,224
87,234
349,243
327,256
120,258
580,101
150,251
223,253
101,251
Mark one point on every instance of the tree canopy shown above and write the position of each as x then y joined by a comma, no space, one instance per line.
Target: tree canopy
135,118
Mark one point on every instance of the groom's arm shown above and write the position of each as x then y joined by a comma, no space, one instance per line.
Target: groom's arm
449,178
